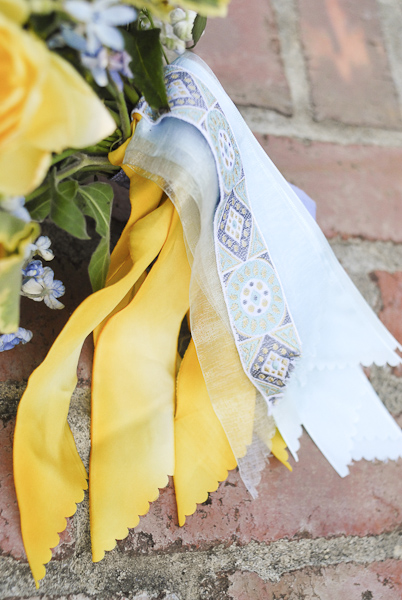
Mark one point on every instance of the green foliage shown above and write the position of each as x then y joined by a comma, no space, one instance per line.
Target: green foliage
198,28
64,211
68,203
39,206
95,201
144,48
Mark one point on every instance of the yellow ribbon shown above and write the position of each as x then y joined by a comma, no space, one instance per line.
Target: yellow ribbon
203,453
138,437
133,396
48,472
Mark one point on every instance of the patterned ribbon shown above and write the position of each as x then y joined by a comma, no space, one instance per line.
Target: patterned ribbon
261,322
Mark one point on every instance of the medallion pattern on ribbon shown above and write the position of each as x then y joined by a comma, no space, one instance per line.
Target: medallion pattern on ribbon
265,336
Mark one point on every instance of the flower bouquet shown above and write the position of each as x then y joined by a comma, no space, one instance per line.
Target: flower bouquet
222,321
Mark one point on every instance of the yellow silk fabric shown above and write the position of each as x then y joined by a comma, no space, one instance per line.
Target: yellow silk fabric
133,397
203,453
278,449
48,472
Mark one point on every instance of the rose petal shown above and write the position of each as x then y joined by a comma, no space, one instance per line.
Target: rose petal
71,114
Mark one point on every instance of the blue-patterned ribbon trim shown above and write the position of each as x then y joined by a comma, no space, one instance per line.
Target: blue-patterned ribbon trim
265,336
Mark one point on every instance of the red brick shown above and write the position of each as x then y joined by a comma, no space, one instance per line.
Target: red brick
347,63
377,581
358,189
243,51
312,501
391,293
10,532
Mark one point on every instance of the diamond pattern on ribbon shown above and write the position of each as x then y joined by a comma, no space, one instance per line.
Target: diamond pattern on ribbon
266,337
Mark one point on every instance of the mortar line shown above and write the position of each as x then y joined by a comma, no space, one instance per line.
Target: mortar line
269,561
287,18
390,12
268,122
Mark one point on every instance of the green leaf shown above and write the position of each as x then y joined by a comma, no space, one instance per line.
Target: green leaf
144,48
64,211
15,236
39,207
200,23
95,200
99,265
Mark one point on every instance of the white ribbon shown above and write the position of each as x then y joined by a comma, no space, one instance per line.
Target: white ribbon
328,393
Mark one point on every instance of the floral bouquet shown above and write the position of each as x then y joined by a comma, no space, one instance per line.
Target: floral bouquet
220,252
72,70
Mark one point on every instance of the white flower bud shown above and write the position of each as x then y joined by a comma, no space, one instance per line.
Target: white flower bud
183,30
178,14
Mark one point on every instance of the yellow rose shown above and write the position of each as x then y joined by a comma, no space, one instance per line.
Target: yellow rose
45,107
162,8
207,8
16,10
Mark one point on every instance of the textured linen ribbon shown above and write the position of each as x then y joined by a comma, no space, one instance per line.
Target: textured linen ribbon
260,318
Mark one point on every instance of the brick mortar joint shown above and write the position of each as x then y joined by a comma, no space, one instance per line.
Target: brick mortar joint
269,561
270,122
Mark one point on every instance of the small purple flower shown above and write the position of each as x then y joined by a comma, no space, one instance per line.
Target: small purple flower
9,340
103,62
119,65
33,269
44,287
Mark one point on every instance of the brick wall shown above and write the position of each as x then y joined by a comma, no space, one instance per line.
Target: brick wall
320,84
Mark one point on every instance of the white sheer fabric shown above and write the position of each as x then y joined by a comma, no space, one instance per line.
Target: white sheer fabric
328,393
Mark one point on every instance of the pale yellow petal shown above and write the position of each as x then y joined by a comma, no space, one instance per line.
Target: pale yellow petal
22,168
70,114
16,10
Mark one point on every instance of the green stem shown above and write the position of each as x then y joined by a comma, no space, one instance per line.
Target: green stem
59,157
114,115
125,122
84,163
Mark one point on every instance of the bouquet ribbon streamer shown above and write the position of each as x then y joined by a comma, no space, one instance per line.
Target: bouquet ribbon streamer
219,240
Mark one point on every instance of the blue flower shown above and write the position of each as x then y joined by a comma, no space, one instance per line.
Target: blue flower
9,340
97,63
99,20
42,247
44,287
15,206
33,269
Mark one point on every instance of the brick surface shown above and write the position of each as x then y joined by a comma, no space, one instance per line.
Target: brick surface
243,51
312,501
391,294
347,63
358,189
10,532
378,581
